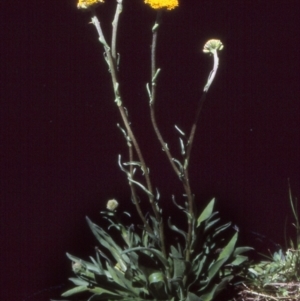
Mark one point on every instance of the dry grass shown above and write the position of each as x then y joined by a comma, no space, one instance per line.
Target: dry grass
271,292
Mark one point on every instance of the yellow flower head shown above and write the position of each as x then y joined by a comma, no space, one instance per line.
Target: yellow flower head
159,4
85,4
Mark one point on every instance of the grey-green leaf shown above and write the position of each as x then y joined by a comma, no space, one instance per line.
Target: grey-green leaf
228,250
206,213
240,250
158,254
193,297
75,290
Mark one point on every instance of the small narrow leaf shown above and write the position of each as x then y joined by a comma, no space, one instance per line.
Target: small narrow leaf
215,268
75,290
239,260
221,229
157,253
216,289
240,250
79,282
174,228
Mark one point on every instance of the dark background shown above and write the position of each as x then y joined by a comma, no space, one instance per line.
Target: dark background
59,140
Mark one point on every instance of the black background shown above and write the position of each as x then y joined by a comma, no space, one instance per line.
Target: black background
59,140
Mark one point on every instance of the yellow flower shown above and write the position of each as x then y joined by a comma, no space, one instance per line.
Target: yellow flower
84,4
159,4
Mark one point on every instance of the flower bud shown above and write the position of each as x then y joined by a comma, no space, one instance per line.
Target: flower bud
112,204
77,267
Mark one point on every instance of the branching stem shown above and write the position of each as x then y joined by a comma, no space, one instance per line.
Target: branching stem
112,65
183,175
134,195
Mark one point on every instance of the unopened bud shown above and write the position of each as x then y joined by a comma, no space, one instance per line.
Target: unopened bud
77,267
112,205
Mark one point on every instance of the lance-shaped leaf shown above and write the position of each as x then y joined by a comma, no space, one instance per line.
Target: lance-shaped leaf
104,296
221,229
210,225
206,213
174,228
179,264
106,241
157,285
193,297
216,289
121,283
159,255
216,267
75,290
228,250
240,250
239,260
141,186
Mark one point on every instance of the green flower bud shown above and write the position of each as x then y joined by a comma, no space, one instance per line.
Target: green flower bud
112,204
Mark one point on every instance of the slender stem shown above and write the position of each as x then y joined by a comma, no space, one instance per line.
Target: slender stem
153,95
141,158
200,104
114,56
134,195
115,29
190,143
183,174
191,216
161,140
214,70
193,129
112,64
